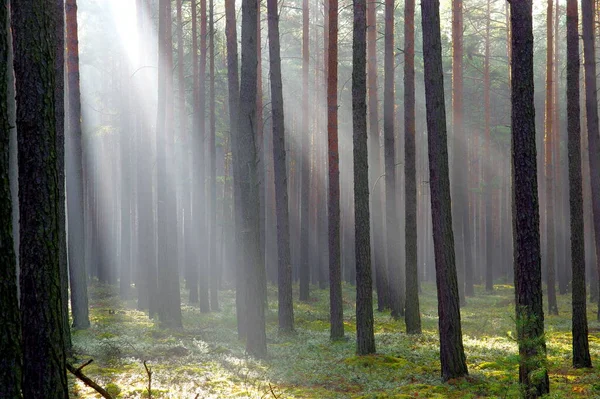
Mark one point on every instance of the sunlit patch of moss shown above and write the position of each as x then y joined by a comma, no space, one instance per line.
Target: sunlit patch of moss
377,361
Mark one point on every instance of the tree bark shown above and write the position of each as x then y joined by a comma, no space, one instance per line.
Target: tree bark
34,27
527,263
11,366
452,354
245,152
333,203
77,266
365,338
549,167
284,267
412,315
591,102
581,350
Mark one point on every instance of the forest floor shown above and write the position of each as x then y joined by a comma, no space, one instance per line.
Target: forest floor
206,360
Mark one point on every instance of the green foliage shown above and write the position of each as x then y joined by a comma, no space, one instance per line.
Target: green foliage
207,358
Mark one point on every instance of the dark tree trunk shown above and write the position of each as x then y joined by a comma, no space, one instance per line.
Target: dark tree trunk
396,283
452,354
333,202
581,349
528,279
284,267
10,328
591,103
34,26
233,98
365,338
245,152
412,315
59,98
77,266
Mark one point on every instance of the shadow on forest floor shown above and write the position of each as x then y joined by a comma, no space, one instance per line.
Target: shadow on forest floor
206,360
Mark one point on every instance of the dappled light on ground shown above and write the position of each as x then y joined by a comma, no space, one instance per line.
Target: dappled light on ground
206,360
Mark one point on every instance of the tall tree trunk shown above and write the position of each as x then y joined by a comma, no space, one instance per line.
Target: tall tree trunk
212,169
376,211
549,167
59,63
34,27
452,354
528,279
487,166
365,338
581,349
591,102
284,267
412,315
246,154
200,170
459,166
169,309
304,160
191,263
11,366
77,266
396,282
333,202
233,99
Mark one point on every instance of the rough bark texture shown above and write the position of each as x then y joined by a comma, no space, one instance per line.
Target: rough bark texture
412,315
396,282
333,201
591,105
581,349
549,166
10,329
59,98
34,25
77,266
452,354
365,338
284,267
527,263
256,342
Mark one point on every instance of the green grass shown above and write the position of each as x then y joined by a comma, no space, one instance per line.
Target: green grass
207,359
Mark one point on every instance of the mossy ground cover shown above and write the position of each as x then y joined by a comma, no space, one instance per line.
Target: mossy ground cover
206,360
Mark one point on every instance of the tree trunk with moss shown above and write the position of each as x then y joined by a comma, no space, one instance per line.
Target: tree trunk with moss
533,374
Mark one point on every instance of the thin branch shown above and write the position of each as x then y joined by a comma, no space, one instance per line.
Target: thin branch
149,372
88,381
